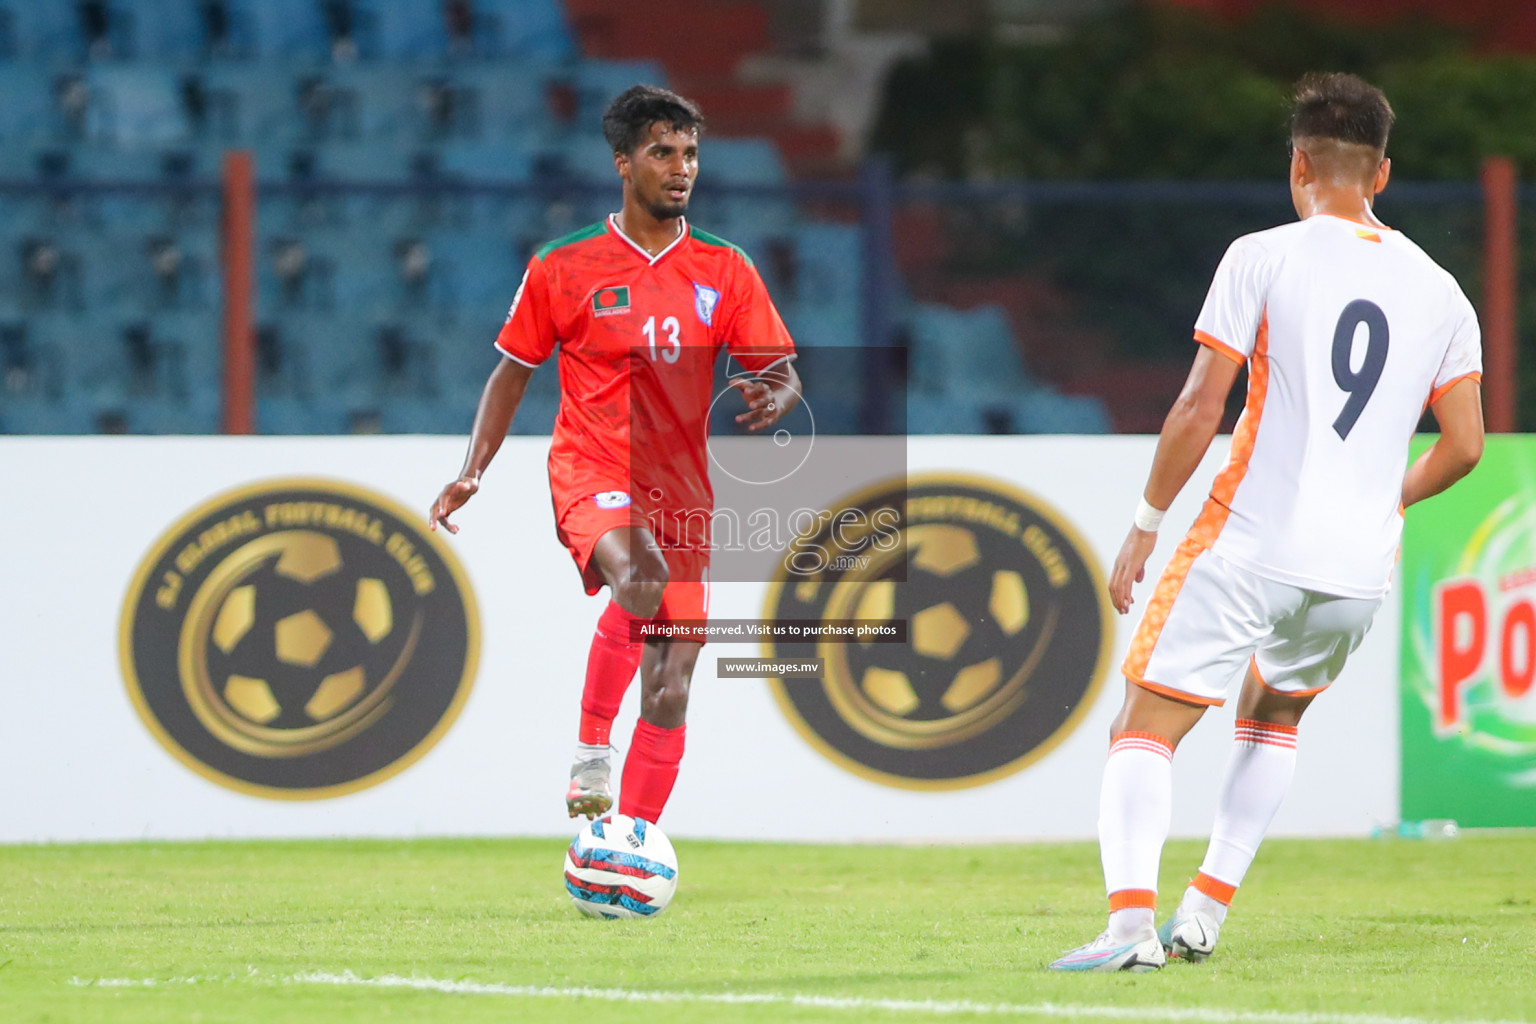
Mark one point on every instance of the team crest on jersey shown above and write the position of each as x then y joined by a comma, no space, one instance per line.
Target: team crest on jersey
612,499
610,301
704,302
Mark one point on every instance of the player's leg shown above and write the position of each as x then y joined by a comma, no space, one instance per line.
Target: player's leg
666,671
656,750
1197,632
1258,775
627,559
1304,654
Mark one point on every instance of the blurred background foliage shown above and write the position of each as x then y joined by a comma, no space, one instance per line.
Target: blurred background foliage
1160,92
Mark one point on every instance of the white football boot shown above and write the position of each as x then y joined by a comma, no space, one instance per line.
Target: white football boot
590,793
1189,935
1107,954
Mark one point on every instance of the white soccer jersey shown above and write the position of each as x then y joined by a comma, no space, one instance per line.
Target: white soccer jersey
1349,330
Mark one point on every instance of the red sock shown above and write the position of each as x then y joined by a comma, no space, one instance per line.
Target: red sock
611,665
650,769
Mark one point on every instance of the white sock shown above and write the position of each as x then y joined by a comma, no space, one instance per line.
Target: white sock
1258,776
1135,807
591,751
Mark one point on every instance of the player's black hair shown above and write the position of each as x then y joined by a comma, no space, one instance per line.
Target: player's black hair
628,119
1341,108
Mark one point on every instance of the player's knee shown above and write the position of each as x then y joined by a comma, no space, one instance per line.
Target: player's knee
666,705
640,591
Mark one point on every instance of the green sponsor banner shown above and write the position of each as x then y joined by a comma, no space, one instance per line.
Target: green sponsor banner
1469,644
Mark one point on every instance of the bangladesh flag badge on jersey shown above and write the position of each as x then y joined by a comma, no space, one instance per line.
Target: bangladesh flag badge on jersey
610,301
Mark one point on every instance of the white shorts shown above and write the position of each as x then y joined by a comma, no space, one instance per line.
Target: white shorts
1208,619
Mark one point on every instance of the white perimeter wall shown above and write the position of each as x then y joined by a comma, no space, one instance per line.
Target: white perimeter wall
78,514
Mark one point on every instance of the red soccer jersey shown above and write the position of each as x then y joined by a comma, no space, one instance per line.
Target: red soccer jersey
638,337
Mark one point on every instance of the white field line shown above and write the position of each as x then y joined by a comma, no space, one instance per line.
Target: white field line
1195,1015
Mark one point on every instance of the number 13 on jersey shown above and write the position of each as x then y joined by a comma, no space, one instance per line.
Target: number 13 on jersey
671,328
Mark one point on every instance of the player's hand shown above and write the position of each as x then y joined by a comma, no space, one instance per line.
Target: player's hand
763,407
450,501
1130,567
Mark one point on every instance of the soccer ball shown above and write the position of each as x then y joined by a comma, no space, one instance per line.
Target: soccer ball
620,867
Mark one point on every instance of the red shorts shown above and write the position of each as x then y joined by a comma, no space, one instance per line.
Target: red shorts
584,523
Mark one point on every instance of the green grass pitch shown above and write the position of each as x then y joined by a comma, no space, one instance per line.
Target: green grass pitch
1357,932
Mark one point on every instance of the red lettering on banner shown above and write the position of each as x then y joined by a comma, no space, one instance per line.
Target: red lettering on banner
1520,620
1459,603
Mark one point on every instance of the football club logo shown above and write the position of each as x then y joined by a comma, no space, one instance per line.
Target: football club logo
704,302
1010,635
299,639
610,301
612,499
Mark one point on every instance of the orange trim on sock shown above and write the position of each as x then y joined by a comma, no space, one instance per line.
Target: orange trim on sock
1258,726
1127,898
1141,739
1216,889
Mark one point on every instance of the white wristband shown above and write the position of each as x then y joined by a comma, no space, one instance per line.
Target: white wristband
1147,517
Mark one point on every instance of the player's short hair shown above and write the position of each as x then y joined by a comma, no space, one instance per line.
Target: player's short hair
1341,108
628,119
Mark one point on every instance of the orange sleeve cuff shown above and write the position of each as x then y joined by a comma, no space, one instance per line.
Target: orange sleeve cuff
1439,392
1220,346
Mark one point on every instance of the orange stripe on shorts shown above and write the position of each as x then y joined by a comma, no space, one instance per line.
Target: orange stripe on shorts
1212,518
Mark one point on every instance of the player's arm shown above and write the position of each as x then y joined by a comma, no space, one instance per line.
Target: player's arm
1187,433
756,335
770,395
498,404
525,341
1460,414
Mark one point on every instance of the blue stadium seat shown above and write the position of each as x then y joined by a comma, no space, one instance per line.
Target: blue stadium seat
165,30
599,81
386,97
508,96
742,161
38,414
47,30
135,106
371,162
169,414
1046,412
260,99
28,112
279,28
536,415
533,28
194,345
943,414
395,29
286,414
484,161
966,353
333,350
407,415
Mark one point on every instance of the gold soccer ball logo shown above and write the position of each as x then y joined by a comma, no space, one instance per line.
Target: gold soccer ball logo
1007,633
289,650
966,621
298,639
